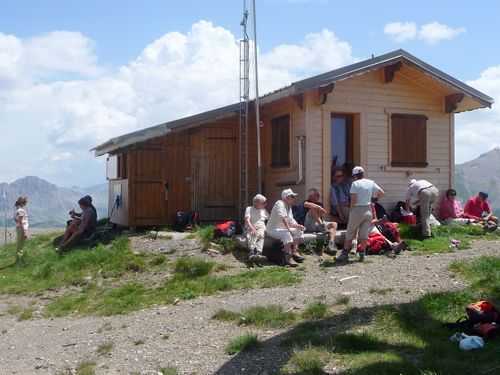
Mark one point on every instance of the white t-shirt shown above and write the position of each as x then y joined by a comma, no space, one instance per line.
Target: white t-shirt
257,217
413,189
366,190
279,212
21,218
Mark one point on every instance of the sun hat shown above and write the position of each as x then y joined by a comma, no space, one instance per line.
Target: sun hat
287,192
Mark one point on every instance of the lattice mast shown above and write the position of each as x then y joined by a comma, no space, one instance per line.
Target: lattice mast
243,114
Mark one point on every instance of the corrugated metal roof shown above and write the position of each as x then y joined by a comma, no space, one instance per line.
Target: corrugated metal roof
297,88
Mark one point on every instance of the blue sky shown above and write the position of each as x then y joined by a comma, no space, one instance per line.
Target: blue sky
75,73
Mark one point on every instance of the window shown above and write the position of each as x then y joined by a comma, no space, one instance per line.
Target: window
280,146
409,140
341,134
116,167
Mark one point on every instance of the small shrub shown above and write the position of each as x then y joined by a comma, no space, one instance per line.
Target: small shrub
316,310
310,360
205,235
343,300
268,316
85,368
241,343
381,291
158,259
105,348
226,315
193,267
328,263
139,342
169,370
27,314
227,244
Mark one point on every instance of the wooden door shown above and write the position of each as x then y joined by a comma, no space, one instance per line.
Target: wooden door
215,177
148,196
177,168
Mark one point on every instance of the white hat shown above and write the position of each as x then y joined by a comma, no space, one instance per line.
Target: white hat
412,181
287,192
357,170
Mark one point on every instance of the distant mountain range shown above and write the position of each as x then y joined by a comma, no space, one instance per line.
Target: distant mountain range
48,205
481,174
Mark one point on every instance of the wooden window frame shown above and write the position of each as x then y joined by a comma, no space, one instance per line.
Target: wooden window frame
408,143
280,141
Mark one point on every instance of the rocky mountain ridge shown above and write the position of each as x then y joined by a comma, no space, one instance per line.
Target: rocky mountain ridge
48,204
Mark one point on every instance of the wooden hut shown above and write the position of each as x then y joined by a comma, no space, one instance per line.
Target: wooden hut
392,114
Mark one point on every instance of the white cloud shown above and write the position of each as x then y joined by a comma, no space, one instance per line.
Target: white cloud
430,33
433,33
56,102
401,31
479,131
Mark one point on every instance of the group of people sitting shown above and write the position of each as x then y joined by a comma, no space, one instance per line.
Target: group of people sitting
82,224
353,199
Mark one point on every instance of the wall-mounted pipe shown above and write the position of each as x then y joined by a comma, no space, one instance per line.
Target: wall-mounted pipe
300,174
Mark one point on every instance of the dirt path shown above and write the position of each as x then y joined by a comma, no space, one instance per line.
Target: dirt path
186,337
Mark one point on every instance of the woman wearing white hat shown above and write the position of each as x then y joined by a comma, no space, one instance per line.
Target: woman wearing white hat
361,216
282,226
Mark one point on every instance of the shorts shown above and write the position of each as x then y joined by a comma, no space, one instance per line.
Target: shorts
284,235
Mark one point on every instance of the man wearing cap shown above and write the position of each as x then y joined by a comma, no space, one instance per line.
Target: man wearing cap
424,193
361,216
479,207
282,226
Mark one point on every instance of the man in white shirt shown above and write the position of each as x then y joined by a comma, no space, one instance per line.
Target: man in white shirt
282,226
424,193
361,216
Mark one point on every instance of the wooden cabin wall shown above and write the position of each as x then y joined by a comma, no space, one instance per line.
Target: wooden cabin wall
374,101
277,179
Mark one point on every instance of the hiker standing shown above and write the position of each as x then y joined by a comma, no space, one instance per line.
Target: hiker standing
361,216
21,220
425,193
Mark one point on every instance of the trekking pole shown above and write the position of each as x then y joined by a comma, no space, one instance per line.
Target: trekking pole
117,200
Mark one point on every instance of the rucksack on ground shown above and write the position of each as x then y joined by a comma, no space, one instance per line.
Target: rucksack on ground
482,319
185,221
389,231
227,229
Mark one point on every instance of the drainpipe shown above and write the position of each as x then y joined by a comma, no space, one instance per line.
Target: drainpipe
300,166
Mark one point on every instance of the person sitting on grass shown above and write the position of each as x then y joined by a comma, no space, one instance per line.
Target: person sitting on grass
314,219
79,229
452,212
479,208
255,229
77,215
282,226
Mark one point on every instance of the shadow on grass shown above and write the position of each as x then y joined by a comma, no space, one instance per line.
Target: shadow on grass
407,338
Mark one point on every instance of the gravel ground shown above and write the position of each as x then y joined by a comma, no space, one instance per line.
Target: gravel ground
186,337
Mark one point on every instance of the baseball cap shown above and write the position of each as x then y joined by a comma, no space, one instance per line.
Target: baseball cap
483,194
412,181
357,170
287,192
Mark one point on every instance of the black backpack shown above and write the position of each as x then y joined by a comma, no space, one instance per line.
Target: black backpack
185,221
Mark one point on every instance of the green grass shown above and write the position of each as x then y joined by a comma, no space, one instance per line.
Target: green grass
315,310
192,267
441,236
85,368
106,300
246,342
169,370
407,338
205,235
274,316
26,314
105,348
342,300
138,342
45,269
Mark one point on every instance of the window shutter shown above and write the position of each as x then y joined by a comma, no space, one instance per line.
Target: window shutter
409,140
280,141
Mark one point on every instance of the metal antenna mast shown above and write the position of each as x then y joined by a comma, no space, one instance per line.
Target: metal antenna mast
244,100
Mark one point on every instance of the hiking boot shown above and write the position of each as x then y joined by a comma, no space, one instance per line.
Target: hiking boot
354,246
289,261
397,248
330,249
343,257
298,258
259,259
362,256
491,227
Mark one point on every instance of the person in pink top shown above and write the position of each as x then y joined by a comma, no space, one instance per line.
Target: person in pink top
451,210
479,207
